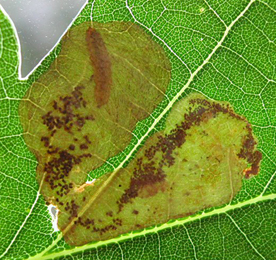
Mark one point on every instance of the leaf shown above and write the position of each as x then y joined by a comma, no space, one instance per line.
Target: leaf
163,182
94,93
224,51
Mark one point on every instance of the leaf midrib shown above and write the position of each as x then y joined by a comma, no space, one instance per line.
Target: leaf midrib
158,228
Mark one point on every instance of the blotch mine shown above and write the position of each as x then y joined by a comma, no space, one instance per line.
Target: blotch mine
83,109
198,161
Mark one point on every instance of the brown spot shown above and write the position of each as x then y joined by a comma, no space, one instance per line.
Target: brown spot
117,222
109,213
55,105
90,117
86,138
72,147
83,146
102,66
52,150
136,212
46,140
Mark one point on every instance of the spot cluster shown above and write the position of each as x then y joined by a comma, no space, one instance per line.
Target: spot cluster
92,224
59,167
72,208
149,173
116,222
67,117
87,223
143,174
59,161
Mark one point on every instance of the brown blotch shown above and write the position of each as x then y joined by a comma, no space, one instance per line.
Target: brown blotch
148,178
117,222
71,147
109,214
136,212
184,215
102,66
105,229
248,152
83,146
144,176
46,140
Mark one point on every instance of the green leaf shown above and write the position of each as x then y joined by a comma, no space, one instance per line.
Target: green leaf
225,51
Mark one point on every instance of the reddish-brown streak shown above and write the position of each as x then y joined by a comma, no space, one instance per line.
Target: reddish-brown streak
102,66
149,177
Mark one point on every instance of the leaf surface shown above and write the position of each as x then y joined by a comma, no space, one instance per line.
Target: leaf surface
226,52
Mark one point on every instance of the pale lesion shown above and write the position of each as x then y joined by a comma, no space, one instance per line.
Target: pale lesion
81,188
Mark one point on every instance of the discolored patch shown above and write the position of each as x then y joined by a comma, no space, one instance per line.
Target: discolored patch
76,115
248,152
82,112
147,180
83,109
198,161
102,66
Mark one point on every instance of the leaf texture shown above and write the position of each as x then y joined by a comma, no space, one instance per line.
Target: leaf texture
225,52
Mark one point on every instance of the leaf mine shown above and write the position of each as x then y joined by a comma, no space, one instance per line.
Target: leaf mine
83,110
198,161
